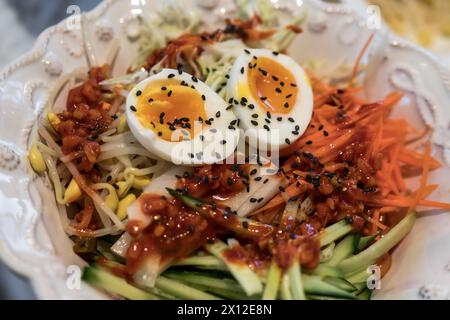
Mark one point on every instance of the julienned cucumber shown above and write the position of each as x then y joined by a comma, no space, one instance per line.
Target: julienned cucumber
343,250
196,278
324,270
204,262
380,248
249,280
103,279
182,291
314,285
273,282
335,232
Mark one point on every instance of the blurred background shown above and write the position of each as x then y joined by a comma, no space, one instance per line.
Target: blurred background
426,22
24,20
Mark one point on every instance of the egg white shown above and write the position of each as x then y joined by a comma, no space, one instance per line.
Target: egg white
212,144
292,124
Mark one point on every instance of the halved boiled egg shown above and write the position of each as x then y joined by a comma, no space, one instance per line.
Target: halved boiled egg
274,95
180,119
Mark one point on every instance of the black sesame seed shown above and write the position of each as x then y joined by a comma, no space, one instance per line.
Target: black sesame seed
267,121
108,178
133,108
169,93
251,106
275,78
286,105
288,141
293,85
245,224
263,98
229,107
202,137
218,114
253,172
233,122
258,178
247,51
289,96
253,200
150,100
163,88
282,189
269,115
159,134
170,76
255,123
223,142
138,93
260,200
194,78
321,127
227,76
278,90
203,97
282,83
275,53
230,101
242,70
309,142
191,155
325,133
266,127
279,119
297,128
255,116
265,181
291,119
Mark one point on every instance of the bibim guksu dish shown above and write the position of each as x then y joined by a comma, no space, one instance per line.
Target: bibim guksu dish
218,167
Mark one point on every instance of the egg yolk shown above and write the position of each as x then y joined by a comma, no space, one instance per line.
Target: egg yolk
272,84
169,105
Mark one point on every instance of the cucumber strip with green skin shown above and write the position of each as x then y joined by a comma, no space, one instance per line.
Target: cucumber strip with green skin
325,270
335,232
327,253
364,243
195,278
343,250
365,295
314,285
295,279
226,294
249,280
341,284
360,287
103,279
322,298
204,262
359,276
243,227
181,290
273,282
285,291
381,247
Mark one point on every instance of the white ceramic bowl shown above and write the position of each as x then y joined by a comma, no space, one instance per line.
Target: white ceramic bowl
32,241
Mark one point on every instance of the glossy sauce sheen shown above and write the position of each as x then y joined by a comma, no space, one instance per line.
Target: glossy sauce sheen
275,84
175,232
166,105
